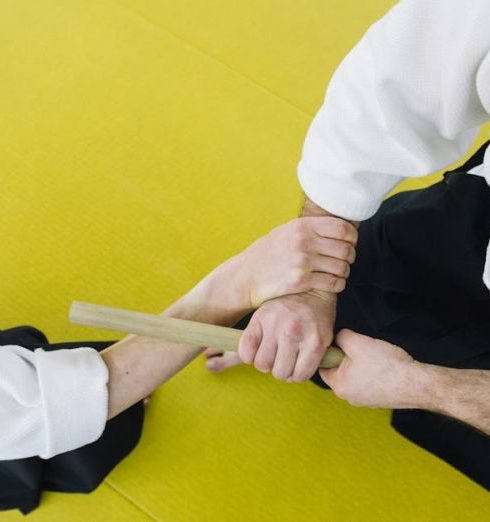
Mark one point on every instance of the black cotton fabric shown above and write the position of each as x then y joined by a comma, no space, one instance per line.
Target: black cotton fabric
22,481
417,283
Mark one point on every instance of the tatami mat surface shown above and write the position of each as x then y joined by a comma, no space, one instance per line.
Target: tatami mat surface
143,142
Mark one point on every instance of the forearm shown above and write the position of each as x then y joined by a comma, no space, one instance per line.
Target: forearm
462,394
137,365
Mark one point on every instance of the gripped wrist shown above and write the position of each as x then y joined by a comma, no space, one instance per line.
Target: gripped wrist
221,296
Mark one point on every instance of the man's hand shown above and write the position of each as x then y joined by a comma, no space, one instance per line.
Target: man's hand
289,336
310,258
305,254
378,374
374,373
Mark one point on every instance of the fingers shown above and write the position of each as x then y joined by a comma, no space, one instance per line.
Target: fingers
265,356
212,352
330,265
328,376
288,337
222,362
288,361
335,228
326,282
307,362
334,248
286,356
250,341
352,342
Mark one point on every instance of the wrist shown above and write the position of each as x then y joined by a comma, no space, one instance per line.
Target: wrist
221,297
313,210
327,297
426,387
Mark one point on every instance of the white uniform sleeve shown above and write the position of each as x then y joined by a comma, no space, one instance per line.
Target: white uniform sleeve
50,402
406,101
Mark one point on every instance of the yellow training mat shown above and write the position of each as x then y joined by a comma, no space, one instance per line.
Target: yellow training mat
141,143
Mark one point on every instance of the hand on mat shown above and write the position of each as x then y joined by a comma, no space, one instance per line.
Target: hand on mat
374,373
288,336
305,254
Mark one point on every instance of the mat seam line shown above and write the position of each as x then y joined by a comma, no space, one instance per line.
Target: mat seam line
131,501
217,60
214,58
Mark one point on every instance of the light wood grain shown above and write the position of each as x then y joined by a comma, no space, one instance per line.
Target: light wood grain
170,329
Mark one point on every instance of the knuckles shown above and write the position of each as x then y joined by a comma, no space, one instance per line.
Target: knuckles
340,285
345,252
299,234
248,347
342,228
352,255
335,284
318,349
342,268
346,230
294,331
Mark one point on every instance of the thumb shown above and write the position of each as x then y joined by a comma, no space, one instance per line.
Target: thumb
328,376
352,342
250,341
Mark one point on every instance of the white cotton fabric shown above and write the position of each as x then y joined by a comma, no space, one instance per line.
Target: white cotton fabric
406,101
50,401
477,171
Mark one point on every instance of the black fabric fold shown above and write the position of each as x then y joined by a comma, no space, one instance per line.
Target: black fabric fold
22,481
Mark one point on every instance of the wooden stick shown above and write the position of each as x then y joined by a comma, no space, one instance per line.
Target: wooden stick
171,329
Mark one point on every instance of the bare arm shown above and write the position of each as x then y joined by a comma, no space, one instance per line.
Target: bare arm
272,266
289,335
462,394
378,374
137,365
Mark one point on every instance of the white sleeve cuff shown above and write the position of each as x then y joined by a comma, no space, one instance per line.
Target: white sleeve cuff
73,385
356,197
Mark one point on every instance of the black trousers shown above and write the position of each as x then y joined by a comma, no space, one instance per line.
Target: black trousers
417,283
22,481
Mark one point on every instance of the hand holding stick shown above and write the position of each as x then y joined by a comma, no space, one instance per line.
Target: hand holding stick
171,329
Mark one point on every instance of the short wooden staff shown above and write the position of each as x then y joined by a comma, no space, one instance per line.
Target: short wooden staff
171,329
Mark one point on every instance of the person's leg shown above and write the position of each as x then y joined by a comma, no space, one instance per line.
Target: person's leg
461,446
83,469
20,479
415,251
417,283
79,471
